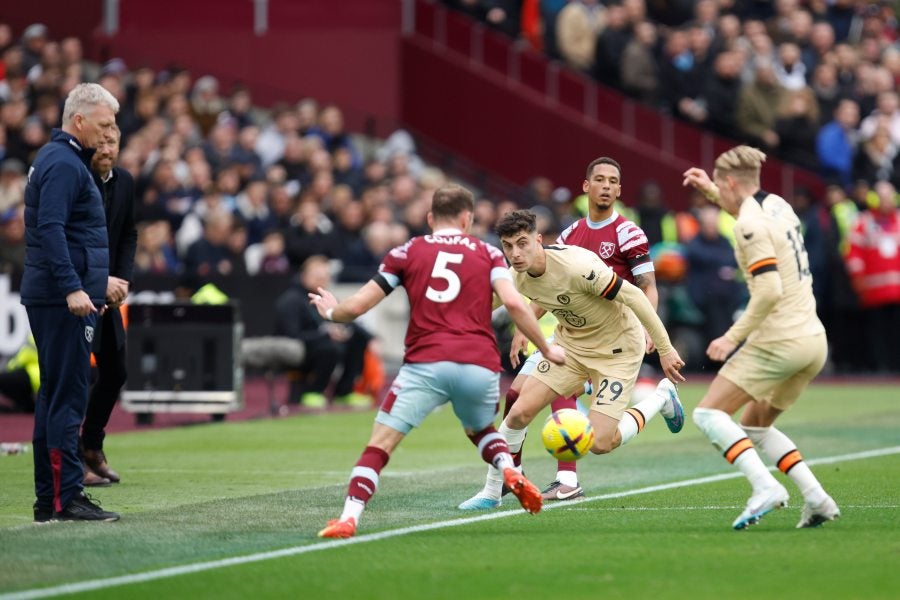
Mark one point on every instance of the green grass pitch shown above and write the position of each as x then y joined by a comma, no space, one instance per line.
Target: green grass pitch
231,510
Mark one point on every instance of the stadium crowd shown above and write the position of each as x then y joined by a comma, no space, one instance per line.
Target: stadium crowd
810,81
225,187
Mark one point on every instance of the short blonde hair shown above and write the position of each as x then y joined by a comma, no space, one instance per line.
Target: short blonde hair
742,162
85,96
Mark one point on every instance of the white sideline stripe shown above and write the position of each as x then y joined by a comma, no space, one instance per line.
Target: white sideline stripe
98,584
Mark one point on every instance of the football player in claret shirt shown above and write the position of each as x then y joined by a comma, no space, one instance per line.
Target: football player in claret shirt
784,345
451,352
623,246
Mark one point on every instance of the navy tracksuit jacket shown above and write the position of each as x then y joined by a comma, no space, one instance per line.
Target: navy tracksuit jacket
66,251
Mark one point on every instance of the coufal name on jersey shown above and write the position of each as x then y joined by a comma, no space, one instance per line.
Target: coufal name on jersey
453,240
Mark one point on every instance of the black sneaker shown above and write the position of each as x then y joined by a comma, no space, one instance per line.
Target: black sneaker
42,514
80,508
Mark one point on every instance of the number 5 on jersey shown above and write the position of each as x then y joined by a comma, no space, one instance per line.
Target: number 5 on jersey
441,271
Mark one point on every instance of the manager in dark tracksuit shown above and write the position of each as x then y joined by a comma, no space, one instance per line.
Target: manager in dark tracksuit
64,290
117,190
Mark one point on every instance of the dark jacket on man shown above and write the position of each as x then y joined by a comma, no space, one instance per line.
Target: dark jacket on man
118,201
66,240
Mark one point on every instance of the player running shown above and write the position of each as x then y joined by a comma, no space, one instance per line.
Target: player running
451,352
599,325
784,344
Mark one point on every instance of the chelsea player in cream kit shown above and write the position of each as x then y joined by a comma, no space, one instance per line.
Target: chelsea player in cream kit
601,321
784,345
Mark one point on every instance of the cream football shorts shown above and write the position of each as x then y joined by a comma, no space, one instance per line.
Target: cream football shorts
612,379
777,372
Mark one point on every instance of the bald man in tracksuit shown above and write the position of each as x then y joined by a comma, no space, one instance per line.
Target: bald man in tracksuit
64,289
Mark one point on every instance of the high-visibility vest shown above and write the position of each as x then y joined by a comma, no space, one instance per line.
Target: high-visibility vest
27,358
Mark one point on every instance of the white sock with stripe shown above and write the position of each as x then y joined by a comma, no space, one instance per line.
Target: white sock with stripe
732,441
783,453
636,418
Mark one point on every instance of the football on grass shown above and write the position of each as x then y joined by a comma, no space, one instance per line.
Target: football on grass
567,435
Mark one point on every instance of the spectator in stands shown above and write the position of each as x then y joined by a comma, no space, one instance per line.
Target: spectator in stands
828,91
678,79
483,220
836,143
712,277
245,154
12,239
722,91
887,114
209,256
757,106
789,68
273,260
878,158
651,211
221,147
271,140
796,127
331,131
344,172
310,233
821,42
361,259
873,262
240,106
237,246
34,38
843,317
327,344
196,220
577,26
12,183
253,208
639,72
155,252
610,46
206,104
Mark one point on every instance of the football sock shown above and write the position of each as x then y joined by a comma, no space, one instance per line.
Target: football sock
492,447
511,397
352,508
638,416
567,477
784,454
513,437
566,472
736,447
493,485
364,481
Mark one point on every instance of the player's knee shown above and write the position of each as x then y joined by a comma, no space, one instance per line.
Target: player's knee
706,418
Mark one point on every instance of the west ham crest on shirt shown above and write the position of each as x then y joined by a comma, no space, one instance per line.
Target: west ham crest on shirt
89,333
607,249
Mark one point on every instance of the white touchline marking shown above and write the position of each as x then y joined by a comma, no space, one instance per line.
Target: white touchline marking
98,584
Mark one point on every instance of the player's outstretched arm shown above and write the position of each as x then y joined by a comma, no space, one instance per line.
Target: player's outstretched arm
363,300
525,320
